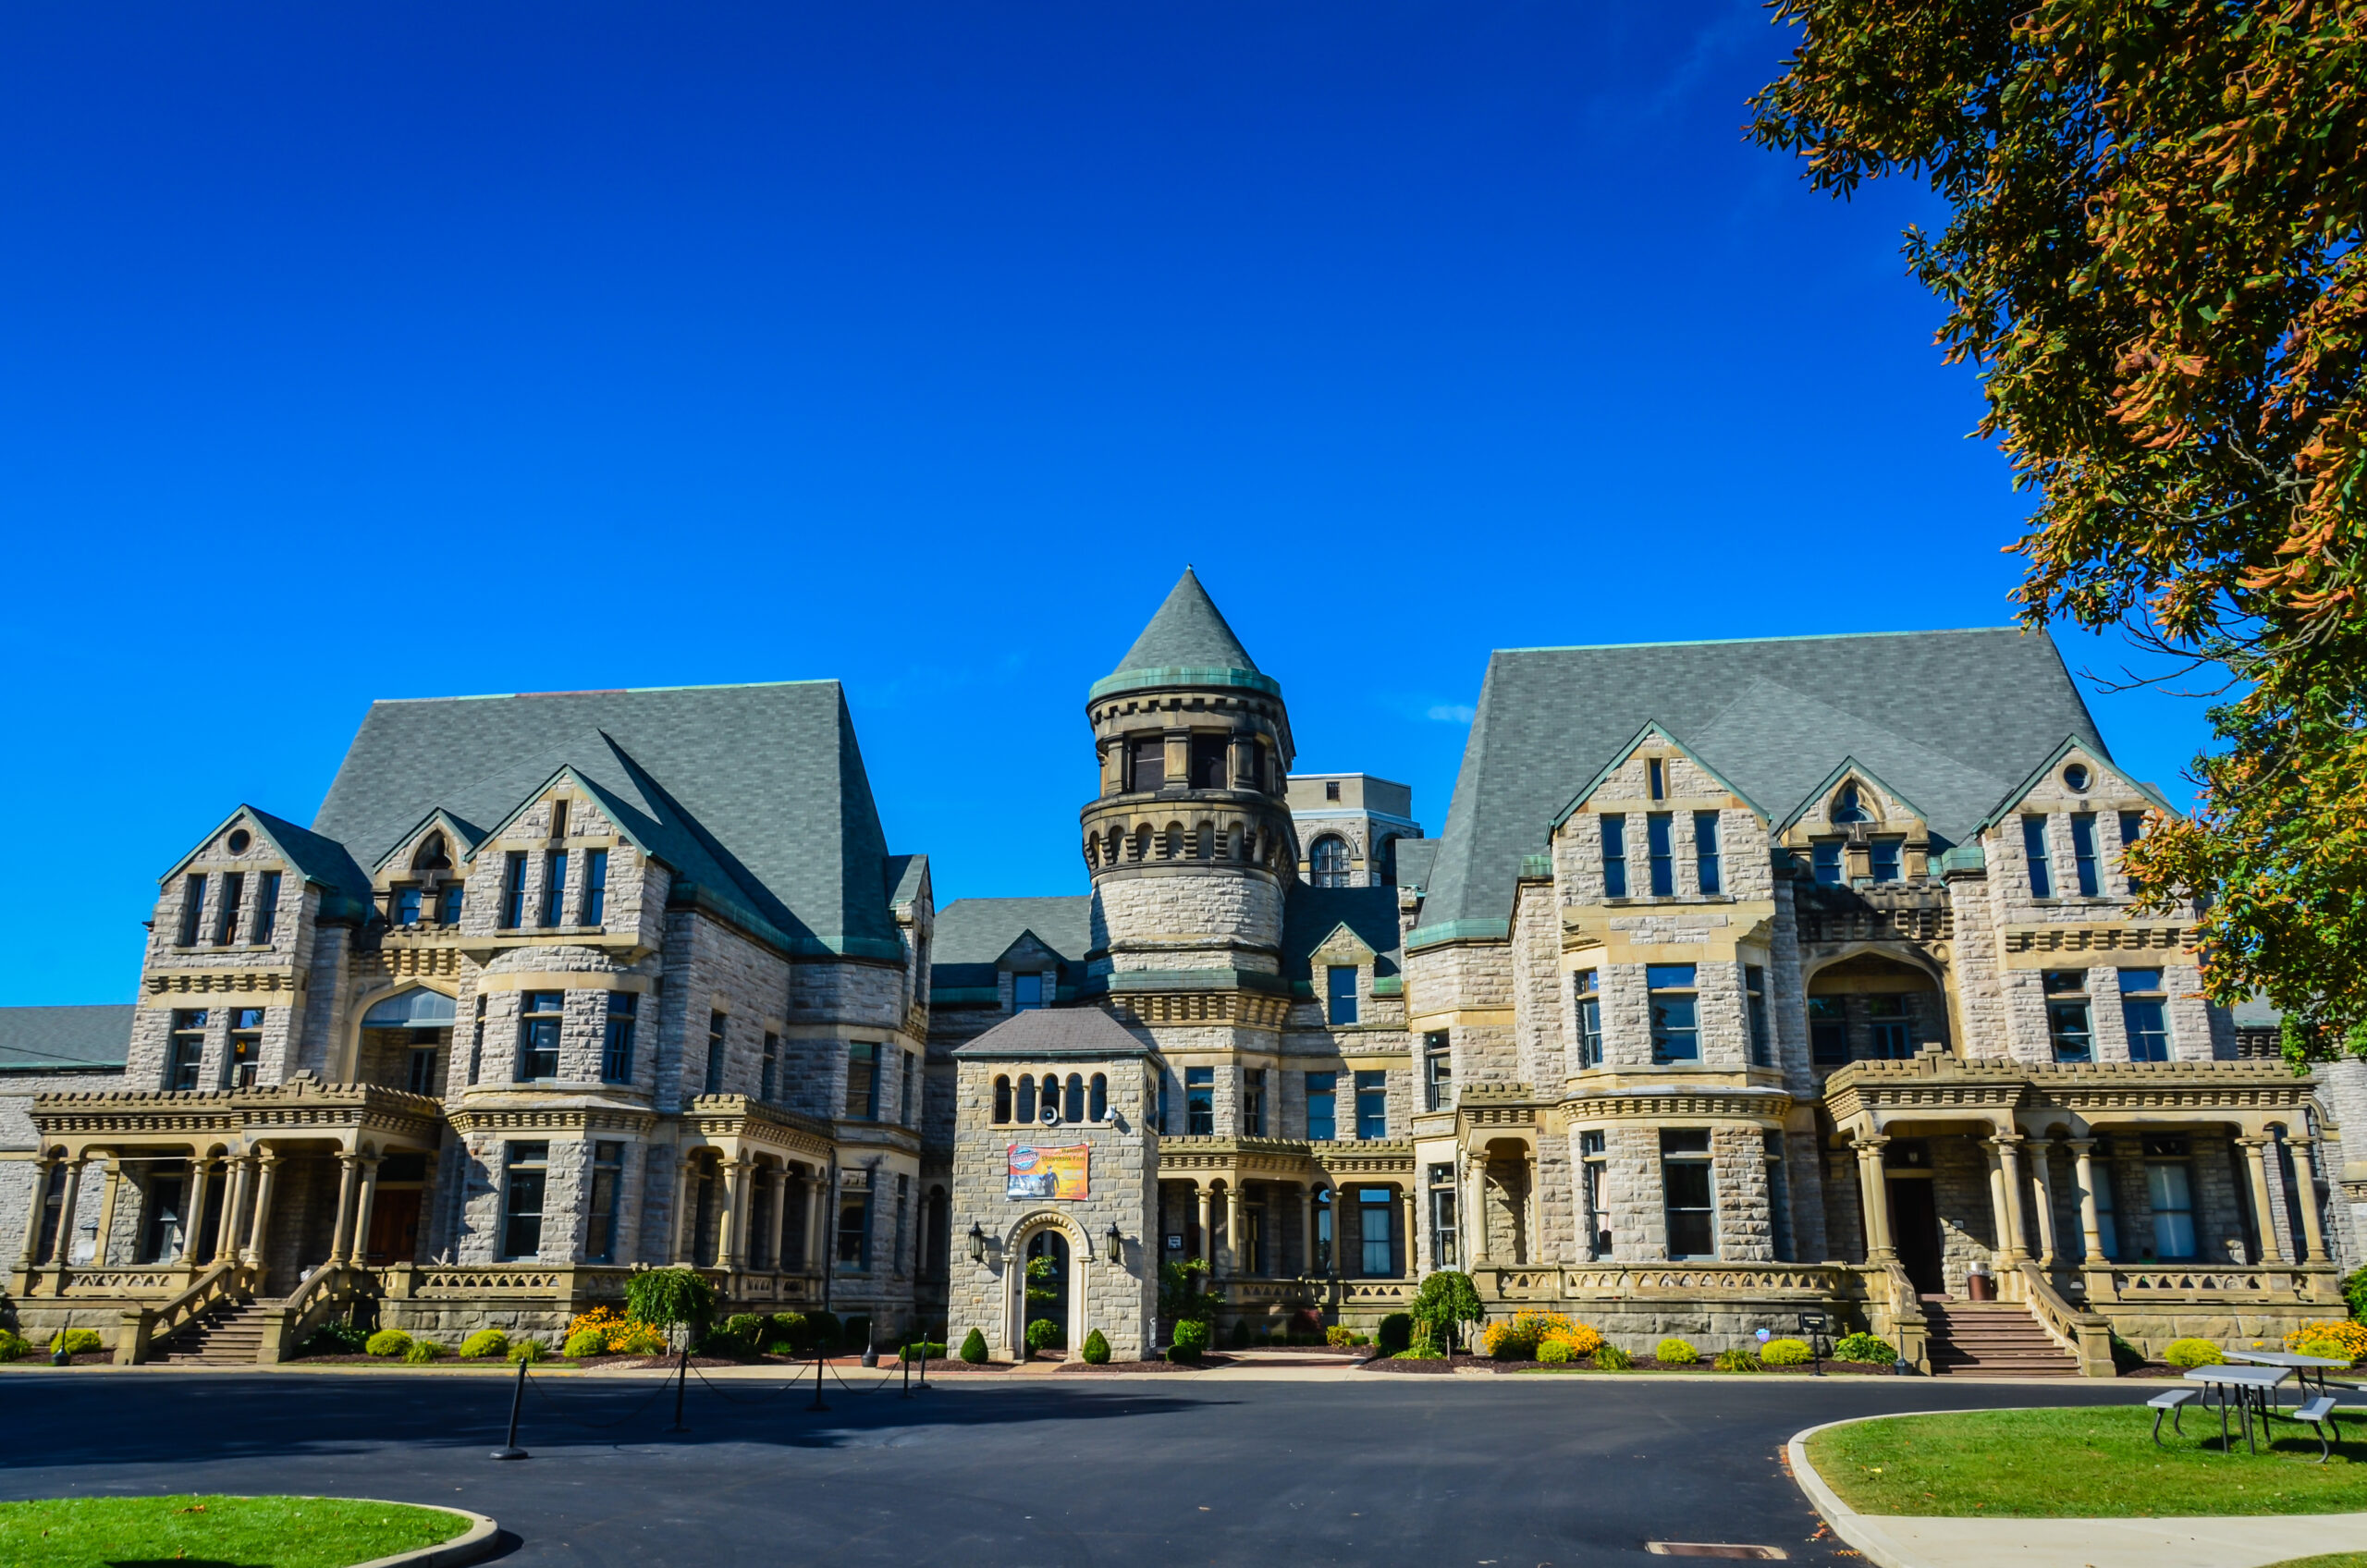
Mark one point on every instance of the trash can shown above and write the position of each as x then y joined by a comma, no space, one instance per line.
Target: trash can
1978,1285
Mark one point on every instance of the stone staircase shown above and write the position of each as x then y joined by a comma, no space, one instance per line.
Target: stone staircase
230,1334
1992,1340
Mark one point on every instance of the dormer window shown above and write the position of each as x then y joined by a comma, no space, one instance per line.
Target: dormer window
192,910
1615,857
1340,992
405,904
1659,779
266,906
1824,860
432,855
448,901
554,886
1883,858
595,887
1026,992
1658,842
1847,807
225,920
558,819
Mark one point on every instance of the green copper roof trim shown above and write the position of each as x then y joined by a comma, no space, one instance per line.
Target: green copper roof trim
1963,857
1458,931
1537,868
1389,984
1180,675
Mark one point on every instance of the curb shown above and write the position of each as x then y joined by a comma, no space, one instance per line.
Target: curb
1846,1521
472,1545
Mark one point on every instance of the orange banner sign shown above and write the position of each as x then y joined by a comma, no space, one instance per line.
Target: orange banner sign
1036,1172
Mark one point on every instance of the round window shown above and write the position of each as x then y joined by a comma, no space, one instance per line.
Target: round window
2075,777
239,839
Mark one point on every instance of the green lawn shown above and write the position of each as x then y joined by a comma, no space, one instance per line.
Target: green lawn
2339,1560
209,1532
2082,1464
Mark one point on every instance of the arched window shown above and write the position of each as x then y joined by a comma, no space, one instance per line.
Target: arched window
1099,1110
432,855
1052,1092
1141,843
1207,841
1075,1110
1117,846
1847,807
1026,1098
1329,860
1003,1100
1174,840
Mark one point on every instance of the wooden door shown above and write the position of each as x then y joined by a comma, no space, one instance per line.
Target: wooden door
394,1227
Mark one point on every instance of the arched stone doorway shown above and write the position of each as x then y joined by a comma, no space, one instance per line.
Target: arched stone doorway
1048,1253
1866,1006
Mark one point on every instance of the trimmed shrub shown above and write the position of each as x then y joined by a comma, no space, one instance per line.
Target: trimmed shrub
14,1346
1865,1348
419,1352
586,1344
337,1338
973,1348
1735,1360
1786,1353
1190,1342
1396,1333
1338,1335
1553,1353
1673,1352
743,1333
388,1342
485,1344
76,1342
2354,1290
2193,1353
793,1330
1241,1335
931,1350
1096,1349
1609,1357
533,1353
1042,1334
2350,1341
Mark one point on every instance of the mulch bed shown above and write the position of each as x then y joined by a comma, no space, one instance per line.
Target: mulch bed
1390,1364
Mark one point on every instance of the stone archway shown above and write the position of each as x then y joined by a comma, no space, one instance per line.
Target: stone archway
1078,1278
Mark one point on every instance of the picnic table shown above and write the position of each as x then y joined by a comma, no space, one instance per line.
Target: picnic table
2303,1364
2245,1386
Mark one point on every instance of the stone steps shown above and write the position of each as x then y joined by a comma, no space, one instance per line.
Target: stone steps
221,1335
1992,1340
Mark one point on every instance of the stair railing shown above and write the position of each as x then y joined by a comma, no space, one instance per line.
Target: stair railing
145,1328
317,1297
2086,1337
1895,1313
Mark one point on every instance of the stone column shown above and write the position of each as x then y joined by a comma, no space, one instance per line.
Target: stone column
2091,1234
816,1194
234,1203
363,1206
2007,1171
42,1166
107,1206
1874,1192
1474,1167
731,1234
1413,1269
348,1172
2042,1172
62,1250
1200,1195
2305,1176
2256,1166
1233,1262
267,1168
192,1206
1306,1229
776,1179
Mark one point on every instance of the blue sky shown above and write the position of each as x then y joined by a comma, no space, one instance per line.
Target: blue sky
369,350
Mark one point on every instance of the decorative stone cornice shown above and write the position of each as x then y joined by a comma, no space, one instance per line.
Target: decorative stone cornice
170,983
551,1119
302,1105
1936,1083
720,1117
1767,1107
2034,946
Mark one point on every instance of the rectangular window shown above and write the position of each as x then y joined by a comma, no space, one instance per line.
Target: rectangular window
2107,1222
2132,827
768,1070
186,1051
1341,989
226,918
1685,1196
1322,1097
1208,753
245,1055
2034,851
1657,842
863,1081
1676,1032
192,910
1200,1102
1827,1030
2169,1189
718,1027
1615,857
2083,851
422,1078
908,1104
476,1042
1658,777
1706,871
538,1020
449,901
1593,1155
1253,1102
1763,1039
2067,1015
595,888
1438,1072
616,1050
1147,762
558,819
1884,856
854,1232
1887,1024
608,1184
554,886
1026,992
1824,861
1443,1254
513,890
1589,1019
403,906
266,906
526,1165
2144,1015
1372,1106
1374,1206
1779,1199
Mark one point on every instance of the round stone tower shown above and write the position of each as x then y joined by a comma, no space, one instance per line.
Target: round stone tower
1190,843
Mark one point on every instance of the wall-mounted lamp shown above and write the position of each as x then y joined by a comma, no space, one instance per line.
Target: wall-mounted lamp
978,1243
1117,1244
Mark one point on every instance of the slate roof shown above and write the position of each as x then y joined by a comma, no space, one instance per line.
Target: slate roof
65,1039
1312,913
1415,857
1187,643
972,932
1954,719
1050,1032
756,795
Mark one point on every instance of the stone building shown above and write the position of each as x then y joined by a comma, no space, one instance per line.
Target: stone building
1746,979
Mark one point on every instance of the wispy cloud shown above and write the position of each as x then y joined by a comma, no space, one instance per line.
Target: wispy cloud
1451,713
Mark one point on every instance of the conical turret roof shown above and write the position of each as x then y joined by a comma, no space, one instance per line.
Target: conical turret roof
1186,644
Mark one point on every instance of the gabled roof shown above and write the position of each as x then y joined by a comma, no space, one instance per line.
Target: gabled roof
1051,1032
65,1039
1311,915
464,835
1947,717
1850,766
1653,732
973,934
756,795
1186,644
316,859
2014,796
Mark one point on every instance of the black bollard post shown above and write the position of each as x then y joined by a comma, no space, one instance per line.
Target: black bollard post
905,1355
681,1376
817,1403
923,1361
510,1449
